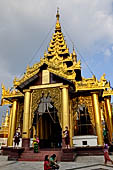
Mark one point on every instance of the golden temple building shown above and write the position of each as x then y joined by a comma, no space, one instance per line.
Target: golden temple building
52,94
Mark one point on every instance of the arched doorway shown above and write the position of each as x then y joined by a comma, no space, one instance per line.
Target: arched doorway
47,124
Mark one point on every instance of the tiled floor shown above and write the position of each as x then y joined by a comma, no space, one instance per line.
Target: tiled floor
81,163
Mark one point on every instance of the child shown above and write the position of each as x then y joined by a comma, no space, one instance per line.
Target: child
106,155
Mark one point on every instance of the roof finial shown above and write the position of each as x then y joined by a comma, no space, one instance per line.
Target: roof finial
58,27
57,15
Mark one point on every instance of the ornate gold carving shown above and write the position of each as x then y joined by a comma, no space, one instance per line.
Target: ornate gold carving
29,73
55,94
83,100
20,110
92,84
107,92
6,94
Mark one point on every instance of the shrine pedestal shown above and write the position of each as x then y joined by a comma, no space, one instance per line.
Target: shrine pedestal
89,140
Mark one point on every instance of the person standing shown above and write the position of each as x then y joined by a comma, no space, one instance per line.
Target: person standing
16,138
66,137
36,143
106,154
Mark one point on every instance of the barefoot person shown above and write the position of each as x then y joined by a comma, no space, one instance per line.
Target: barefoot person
16,138
66,137
36,144
53,162
106,155
46,163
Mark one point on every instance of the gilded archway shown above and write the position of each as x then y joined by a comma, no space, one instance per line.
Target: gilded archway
55,94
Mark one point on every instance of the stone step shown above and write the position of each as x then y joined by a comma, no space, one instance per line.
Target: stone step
31,156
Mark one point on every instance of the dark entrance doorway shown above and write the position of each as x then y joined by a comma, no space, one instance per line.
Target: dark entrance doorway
84,125
49,129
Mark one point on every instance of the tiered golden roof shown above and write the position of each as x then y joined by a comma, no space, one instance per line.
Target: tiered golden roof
57,58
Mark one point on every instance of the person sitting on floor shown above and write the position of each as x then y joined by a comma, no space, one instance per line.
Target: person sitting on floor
46,163
53,162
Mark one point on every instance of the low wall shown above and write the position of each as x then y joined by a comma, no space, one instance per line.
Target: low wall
89,140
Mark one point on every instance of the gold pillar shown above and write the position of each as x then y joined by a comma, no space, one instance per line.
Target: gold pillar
109,111
34,131
12,129
106,115
30,115
9,130
98,124
65,107
71,125
26,114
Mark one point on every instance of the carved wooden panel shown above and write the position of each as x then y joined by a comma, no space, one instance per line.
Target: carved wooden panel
87,101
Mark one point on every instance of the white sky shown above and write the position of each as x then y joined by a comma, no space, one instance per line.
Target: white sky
24,24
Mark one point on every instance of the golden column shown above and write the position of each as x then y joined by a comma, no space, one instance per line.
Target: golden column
65,107
109,112
9,130
71,124
12,127
30,115
26,116
34,131
98,124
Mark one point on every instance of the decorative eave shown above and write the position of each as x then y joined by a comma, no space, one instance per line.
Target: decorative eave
8,95
56,65
62,74
92,84
30,72
107,92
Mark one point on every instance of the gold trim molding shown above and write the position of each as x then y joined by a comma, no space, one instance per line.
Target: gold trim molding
92,84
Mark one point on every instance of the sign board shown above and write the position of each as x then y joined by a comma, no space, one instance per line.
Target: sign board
45,77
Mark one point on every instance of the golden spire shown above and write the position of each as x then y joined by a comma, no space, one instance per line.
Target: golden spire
57,15
58,27
3,118
74,56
